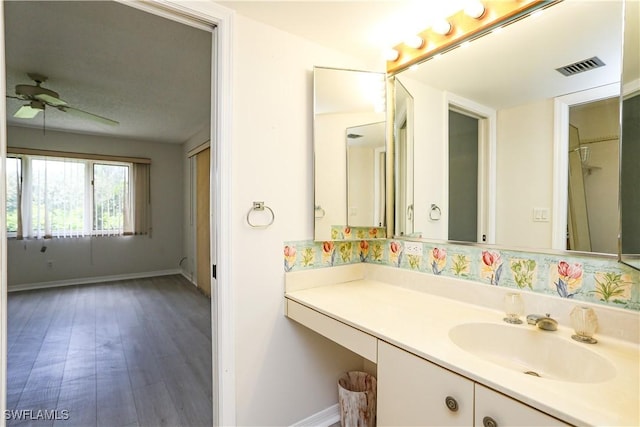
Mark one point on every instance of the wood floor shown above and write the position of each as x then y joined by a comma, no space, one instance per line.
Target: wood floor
128,353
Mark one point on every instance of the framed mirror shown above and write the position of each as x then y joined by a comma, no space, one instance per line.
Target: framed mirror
493,119
349,146
630,140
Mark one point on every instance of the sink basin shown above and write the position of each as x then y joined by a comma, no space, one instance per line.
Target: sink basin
532,351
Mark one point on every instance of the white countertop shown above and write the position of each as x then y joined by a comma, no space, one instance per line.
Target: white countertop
420,322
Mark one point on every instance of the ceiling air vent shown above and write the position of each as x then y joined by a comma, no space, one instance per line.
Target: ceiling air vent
581,66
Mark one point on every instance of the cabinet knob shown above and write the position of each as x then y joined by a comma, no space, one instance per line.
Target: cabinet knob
489,422
452,404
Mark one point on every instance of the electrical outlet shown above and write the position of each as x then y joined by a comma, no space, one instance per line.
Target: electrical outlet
413,248
50,263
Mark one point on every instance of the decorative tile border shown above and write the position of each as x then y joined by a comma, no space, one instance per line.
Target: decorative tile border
307,254
343,232
597,280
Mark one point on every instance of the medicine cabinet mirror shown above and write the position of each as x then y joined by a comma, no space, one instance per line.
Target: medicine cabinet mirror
349,146
630,139
498,120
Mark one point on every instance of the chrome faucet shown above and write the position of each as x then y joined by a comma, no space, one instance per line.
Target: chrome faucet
545,323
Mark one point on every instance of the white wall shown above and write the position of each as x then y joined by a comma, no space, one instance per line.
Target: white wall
360,185
524,174
105,256
331,166
430,162
524,161
284,372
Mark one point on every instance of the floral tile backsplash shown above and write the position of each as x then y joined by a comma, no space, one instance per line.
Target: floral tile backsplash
343,232
598,280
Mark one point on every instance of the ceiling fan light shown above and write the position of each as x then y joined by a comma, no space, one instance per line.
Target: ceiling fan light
29,111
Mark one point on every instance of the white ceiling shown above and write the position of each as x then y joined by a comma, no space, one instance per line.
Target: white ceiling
111,60
361,28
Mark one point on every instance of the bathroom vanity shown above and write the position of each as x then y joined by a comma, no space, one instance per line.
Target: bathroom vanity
444,356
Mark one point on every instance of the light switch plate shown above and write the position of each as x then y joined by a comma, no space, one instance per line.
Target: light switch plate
541,214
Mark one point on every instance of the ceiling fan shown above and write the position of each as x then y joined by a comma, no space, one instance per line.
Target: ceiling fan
38,98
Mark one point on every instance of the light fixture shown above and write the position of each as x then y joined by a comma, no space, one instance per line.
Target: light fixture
30,110
474,9
443,27
473,19
391,55
415,42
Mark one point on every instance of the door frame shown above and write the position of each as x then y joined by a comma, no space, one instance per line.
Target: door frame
222,305
487,137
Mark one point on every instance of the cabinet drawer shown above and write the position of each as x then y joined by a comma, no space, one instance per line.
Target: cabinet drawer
415,392
505,411
349,337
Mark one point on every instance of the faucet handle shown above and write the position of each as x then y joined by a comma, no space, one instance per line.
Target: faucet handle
545,323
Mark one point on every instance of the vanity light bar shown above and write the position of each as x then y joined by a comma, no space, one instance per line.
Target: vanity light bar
463,25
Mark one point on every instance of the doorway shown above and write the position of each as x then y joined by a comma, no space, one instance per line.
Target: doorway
591,138
219,18
474,126
594,175
463,177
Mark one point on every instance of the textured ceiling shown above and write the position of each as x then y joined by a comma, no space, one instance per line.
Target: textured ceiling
149,73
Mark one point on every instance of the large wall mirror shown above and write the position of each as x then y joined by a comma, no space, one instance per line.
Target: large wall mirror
630,139
516,134
349,140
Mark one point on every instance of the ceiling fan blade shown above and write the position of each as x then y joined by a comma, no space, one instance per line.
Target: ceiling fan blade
27,112
49,99
86,115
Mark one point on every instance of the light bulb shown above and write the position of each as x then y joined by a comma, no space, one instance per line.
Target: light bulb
391,55
474,9
442,27
415,42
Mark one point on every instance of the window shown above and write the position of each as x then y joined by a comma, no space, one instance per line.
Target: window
14,171
51,196
110,197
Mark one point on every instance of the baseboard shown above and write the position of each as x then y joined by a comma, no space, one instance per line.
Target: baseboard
324,418
87,280
186,276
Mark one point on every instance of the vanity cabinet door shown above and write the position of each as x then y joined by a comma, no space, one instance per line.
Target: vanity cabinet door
414,392
494,409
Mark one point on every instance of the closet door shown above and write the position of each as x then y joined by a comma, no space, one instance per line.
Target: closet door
203,255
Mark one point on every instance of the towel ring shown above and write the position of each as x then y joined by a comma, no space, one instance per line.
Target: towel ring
259,207
435,213
320,213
